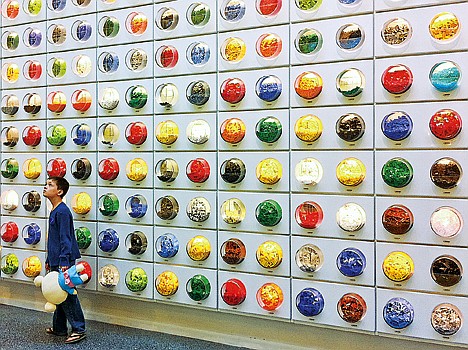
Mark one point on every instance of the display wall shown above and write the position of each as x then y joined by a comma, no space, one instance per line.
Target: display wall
293,160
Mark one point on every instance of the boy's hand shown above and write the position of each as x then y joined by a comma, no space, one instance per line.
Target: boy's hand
63,268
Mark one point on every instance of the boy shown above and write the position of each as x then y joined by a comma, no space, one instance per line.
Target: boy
62,252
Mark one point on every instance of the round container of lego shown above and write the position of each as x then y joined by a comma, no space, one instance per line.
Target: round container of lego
32,135
310,302
397,219
198,288
233,251
351,307
56,101
10,72
268,129
9,232
232,90
167,170
351,262
109,276
350,37
446,271
167,246
233,211
9,264
136,206
166,57
308,128
198,54
198,131
109,99
233,292
198,209
31,234
136,243
56,167
398,266
136,280
445,76
32,168
309,258
397,79
308,215
31,201
10,104
232,130
136,96
56,68
198,92
10,200
32,103
446,222
32,37
167,95
233,50
81,168
269,171
351,217
308,171
167,207
108,27
32,70
269,254
446,173
81,31
198,248
232,10
269,46
445,124
396,32
10,168
198,14
444,27
32,266
268,8
232,170
268,213
268,88
308,5
136,169
108,204
351,172
56,135
397,172
398,313
108,240
167,19
167,132
308,85
136,23
10,136
198,170
350,82
83,237
308,41
108,62
270,297
397,126
446,319
167,283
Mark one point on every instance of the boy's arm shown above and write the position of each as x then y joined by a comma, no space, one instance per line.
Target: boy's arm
64,224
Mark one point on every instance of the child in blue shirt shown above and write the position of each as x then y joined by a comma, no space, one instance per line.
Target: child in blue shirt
62,252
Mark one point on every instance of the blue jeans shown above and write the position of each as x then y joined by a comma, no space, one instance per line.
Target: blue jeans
69,310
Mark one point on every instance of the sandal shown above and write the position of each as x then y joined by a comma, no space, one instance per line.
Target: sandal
75,338
50,330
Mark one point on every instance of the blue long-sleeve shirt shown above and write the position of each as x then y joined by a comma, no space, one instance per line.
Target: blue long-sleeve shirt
62,248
